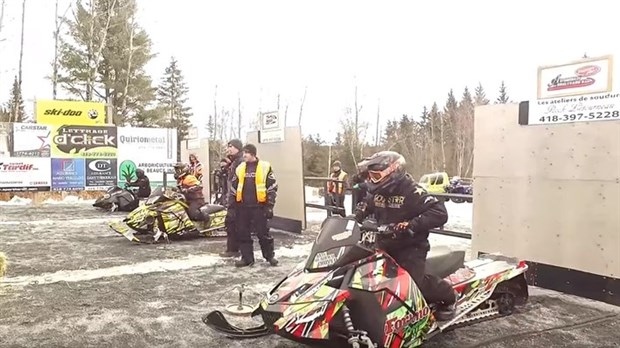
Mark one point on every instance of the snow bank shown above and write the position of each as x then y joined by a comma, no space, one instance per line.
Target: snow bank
69,200
17,201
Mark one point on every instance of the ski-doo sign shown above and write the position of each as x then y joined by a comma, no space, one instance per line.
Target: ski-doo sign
84,142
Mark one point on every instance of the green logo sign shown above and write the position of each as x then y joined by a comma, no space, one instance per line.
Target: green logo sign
127,171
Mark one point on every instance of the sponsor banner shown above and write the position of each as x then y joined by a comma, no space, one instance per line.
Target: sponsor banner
149,143
31,140
24,174
271,128
153,150
100,173
580,91
61,112
6,139
84,142
68,174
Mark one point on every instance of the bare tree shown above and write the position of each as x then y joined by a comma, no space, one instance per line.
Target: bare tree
58,22
301,107
377,123
2,6
131,29
215,114
21,46
94,58
239,117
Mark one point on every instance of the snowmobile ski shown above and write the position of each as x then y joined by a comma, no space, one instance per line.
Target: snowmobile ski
218,322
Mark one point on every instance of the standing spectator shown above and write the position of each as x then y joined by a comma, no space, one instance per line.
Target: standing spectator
336,190
235,156
220,182
253,191
195,167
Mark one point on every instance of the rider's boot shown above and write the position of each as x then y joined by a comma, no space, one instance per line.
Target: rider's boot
446,310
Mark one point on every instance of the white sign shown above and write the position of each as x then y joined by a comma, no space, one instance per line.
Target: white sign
192,133
271,128
582,91
31,140
25,174
6,130
153,150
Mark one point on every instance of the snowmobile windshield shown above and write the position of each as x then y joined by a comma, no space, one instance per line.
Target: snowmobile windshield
157,195
336,245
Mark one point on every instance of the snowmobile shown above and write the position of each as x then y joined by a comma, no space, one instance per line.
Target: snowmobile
351,293
118,199
164,215
459,188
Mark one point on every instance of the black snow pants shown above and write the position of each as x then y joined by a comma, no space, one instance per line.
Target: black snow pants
250,219
193,209
433,288
231,230
338,201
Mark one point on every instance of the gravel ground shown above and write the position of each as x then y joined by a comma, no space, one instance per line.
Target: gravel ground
73,283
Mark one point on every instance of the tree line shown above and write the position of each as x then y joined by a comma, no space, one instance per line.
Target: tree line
439,139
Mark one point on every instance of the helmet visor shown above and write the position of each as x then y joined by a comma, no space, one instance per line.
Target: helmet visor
377,175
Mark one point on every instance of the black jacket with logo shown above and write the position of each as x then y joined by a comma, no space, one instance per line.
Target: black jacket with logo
236,160
407,202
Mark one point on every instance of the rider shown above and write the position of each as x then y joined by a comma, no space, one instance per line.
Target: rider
395,198
191,188
142,183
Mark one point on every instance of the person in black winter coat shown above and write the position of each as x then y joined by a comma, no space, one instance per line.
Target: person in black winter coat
142,183
395,198
235,157
253,194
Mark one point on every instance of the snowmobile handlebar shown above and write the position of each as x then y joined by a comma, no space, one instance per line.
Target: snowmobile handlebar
371,226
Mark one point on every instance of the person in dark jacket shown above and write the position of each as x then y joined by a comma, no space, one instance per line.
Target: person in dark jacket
220,182
253,192
235,156
395,198
142,183
192,189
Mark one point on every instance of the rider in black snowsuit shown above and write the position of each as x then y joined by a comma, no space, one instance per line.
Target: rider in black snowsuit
142,183
235,155
395,198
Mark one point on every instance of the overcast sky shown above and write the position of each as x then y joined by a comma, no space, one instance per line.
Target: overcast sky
406,54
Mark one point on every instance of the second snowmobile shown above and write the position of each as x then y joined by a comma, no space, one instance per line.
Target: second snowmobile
164,215
351,293
118,199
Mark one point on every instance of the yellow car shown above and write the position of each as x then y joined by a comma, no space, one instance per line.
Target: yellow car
435,182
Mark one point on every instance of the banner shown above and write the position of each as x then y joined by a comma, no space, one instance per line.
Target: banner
581,91
31,140
100,173
153,150
68,174
6,139
60,112
84,142
24,174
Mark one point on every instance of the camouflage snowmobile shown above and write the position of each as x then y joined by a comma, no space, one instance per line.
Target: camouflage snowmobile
164,215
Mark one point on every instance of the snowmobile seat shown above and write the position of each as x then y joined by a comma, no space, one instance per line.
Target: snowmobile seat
442,261
208,209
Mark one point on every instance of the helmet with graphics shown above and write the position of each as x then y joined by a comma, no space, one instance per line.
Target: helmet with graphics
180,170
385,170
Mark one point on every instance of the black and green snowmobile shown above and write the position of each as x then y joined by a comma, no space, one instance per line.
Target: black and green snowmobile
164,216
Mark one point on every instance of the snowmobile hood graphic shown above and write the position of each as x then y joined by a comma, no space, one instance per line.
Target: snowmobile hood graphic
350,293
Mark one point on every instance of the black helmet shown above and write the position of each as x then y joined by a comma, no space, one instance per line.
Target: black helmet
385,169
180,170
139,173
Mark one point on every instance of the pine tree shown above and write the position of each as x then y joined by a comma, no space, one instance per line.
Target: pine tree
103,57
172,98
503,95
15,109
210,128
480,97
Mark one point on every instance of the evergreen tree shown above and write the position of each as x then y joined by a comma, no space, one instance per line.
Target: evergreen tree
15,109
480,97
103,56
172,98
466,106
503,95
211,128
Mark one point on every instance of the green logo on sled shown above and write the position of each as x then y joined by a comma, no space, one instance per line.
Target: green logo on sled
127,171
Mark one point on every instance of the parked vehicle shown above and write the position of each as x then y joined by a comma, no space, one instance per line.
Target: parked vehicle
458,186
435,182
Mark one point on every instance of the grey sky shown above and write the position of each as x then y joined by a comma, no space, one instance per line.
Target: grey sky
407,53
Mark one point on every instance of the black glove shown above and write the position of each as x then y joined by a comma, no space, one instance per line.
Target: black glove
269,212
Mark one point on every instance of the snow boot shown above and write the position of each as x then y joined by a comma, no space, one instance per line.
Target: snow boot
230,254
273,262
243,263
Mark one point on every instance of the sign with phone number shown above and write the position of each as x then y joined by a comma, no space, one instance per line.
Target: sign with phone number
592,116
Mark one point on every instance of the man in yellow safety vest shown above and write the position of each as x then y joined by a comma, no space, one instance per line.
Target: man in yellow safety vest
253,193
336,190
